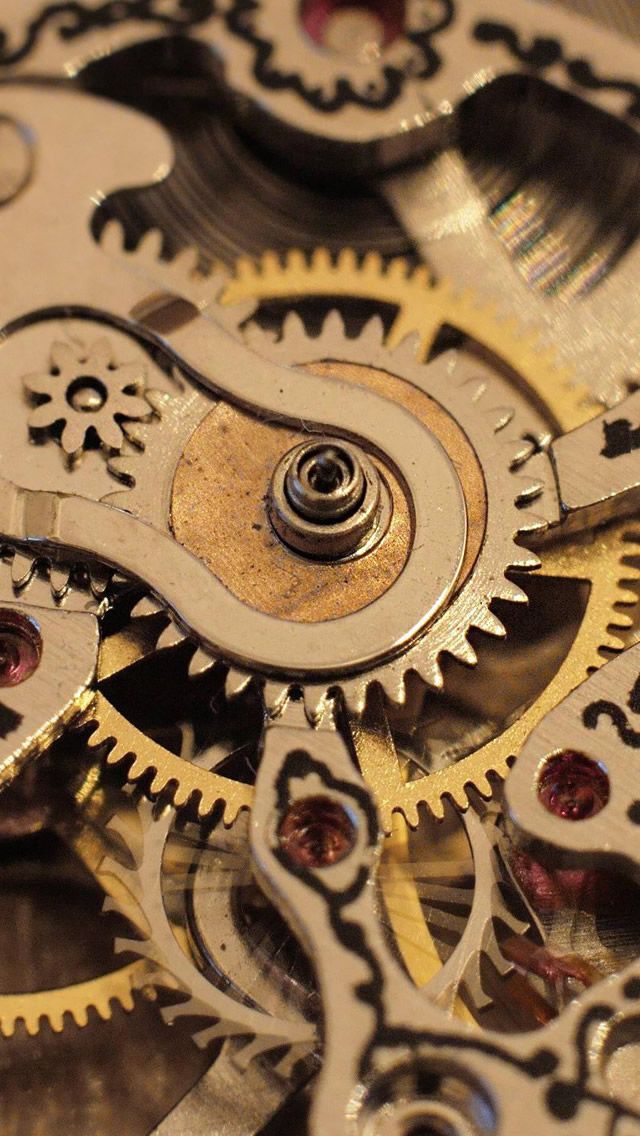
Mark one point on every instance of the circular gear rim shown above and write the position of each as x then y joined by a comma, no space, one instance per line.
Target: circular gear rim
521,349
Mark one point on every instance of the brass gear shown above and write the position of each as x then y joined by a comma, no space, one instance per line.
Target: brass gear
56,1008
422,307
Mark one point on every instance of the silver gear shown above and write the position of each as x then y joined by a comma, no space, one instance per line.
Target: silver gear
138,893
87,392
496,433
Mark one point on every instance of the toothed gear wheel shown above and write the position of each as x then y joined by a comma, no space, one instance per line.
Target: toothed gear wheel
76,1003
87,395
189,894
495,433
421,307
149,854
50,614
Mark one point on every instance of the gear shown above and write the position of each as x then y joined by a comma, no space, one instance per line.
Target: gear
88,396
161,855
494,434
76,1002
49,616
370,53
422,897
424,307
421,307
508,491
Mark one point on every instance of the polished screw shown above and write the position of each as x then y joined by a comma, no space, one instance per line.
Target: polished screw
325,499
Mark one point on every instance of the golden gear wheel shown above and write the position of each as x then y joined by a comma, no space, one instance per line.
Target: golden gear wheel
56,1008
422,308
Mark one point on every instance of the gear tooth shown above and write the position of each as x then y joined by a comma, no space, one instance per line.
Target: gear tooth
533,525
613,643
490,624
242,311
138,767
293,327
112,238
245,268
372,264
482,785
323,259
127,877
276,695
32,1024
259,339
524,451
135,434
531,489
194,1008
315,700
525,561
621,621
200,662
472,982
295,714
148,605
410,814
151,245
80,1015
187,262
397,269
465,653
355,695
121,468
626,597
422,277
347,261
270,263
297,260
99,579
172,636
333,325
22,569
507,590
430,672
408,350
59,577
235,682
373,333
144,948
158,400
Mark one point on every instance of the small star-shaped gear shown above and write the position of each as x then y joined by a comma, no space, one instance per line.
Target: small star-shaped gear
86,396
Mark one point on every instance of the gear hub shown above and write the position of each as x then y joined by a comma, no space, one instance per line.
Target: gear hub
326,499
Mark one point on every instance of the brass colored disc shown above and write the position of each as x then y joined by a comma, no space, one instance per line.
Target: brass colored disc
218,509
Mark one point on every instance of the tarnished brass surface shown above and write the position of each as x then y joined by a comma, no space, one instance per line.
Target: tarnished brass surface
218,508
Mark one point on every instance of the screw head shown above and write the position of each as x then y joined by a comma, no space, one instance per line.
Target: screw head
326,499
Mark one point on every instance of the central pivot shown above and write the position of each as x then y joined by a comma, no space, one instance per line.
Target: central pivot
326,499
